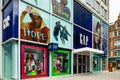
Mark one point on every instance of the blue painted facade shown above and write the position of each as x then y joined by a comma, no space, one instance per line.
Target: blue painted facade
79,34
10,30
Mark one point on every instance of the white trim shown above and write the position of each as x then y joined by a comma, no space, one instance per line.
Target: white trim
88,49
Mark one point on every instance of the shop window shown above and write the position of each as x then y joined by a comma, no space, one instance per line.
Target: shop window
60,63
96,63
118,64
34,61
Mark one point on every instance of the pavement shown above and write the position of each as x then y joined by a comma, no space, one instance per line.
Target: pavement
104,75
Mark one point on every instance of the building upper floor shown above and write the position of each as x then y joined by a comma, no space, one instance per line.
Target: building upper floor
98,7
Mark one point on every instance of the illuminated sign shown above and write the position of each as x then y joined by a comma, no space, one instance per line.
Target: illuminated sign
53,46
6,22
84,39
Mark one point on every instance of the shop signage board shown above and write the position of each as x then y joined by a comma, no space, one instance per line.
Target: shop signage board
10,21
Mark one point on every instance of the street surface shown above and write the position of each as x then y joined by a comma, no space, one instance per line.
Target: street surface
90,76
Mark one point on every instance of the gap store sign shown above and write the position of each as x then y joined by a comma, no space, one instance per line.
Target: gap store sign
10,20
82,38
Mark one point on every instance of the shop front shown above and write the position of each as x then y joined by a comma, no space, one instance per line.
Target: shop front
81,62
34,61
86,60
61,62
96,63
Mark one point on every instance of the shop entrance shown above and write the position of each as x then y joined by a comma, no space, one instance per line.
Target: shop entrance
81,62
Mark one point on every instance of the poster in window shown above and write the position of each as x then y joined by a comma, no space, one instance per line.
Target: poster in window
105,30
105,47
61,32
34,61
97,42
62,8
98,31
34,24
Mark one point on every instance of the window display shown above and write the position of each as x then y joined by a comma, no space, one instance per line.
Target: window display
60,63
95,63
34,61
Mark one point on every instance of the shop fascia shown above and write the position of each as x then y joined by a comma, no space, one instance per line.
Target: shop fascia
84,39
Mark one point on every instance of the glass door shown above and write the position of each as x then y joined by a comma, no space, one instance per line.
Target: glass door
84,64
75,64
80,63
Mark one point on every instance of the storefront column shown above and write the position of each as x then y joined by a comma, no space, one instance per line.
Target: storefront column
15,60
71,63
91,61
50,63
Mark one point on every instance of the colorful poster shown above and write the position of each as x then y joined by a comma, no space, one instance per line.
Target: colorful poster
34,24
82,38
40,3
98,32
60,62
82,16
62,8
61,32
105,47
105,30
34,61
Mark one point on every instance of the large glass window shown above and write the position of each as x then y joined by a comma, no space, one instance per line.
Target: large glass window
60,62
117,52
34,61
96,63
117,43
115,33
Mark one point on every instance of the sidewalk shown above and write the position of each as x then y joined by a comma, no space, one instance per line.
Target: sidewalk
92,76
